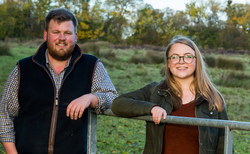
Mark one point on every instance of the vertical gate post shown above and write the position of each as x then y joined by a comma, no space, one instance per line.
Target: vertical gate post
228,143
92,132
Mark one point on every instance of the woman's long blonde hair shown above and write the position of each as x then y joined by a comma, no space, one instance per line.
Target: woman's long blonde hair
201,82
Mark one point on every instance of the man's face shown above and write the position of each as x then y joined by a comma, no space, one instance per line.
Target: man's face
61,39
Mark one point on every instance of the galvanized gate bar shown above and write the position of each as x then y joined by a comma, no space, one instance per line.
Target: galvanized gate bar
195,121
92,132
228,142
228,125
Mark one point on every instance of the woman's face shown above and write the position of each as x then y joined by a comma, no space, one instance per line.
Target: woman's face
181,69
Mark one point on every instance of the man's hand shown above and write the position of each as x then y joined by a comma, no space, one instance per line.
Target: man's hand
76,108
157,112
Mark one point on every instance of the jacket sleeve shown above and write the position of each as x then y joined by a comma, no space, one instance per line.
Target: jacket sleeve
134,103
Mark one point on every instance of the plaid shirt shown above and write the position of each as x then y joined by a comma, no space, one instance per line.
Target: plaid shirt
102,88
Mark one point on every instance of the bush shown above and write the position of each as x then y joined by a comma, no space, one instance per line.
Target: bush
110,54
104,44
90,47
107,63
233,64
4,49
235,79
141,72
156,57
210,61
137,58
163,71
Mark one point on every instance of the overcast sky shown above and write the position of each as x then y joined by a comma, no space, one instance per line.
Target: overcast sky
180,4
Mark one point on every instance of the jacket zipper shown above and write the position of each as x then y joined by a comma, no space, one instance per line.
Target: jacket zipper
55,110
54,118
53,127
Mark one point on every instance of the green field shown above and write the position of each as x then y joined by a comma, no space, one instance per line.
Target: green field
127,136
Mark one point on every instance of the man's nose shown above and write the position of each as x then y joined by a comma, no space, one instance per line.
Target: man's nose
62,36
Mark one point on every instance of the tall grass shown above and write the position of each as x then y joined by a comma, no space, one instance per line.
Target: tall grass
138,58
210,61
234,79
232,64
155,57
4,49
151,57
91,47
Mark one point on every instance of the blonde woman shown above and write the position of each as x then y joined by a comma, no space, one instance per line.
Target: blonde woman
187,91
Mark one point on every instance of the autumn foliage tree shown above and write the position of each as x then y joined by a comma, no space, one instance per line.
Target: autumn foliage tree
214,24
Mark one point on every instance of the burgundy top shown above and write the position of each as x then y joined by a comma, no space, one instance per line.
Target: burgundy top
179,139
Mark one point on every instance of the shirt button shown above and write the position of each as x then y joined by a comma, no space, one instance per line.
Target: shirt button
211,112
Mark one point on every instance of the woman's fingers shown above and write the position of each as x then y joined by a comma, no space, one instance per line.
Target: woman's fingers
157,113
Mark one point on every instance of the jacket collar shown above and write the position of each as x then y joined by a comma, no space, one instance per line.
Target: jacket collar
200,99
163,86
39,56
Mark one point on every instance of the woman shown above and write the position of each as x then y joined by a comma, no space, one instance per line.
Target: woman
187,91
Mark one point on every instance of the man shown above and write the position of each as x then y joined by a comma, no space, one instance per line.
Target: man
43,107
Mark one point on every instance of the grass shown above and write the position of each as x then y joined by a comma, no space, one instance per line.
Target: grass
126,136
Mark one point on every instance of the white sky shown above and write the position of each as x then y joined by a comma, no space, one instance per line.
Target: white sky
180,4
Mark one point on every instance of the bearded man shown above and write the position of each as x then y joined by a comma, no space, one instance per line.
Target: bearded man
43,107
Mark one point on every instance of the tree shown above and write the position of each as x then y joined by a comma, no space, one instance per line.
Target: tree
197,14
41,9
239,16
117,19
154,27
9,13
90,22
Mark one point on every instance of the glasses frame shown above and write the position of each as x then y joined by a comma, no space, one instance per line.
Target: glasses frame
182,58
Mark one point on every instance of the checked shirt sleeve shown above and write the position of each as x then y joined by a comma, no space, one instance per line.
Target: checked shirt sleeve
103,88
9,107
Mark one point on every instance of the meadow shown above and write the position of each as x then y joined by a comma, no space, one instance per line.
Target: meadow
130,69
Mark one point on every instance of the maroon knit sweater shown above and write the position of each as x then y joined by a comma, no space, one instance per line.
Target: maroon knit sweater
179,139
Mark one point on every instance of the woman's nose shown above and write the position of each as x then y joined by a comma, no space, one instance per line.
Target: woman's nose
181,60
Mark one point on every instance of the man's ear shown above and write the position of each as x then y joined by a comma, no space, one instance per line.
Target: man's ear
45,35
76,37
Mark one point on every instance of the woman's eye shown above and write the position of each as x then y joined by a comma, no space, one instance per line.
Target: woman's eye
175,57
188,56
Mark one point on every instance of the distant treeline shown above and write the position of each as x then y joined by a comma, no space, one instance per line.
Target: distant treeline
210,23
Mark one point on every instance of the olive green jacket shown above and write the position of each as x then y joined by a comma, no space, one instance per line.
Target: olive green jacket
141,101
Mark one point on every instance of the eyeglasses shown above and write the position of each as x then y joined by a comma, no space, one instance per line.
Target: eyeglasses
187,58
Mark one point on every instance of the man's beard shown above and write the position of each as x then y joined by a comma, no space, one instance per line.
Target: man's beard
60,56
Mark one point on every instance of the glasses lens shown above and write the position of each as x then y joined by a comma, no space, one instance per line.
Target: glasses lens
174,59
188,58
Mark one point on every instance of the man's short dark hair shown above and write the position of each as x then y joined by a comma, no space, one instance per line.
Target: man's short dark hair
60,15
